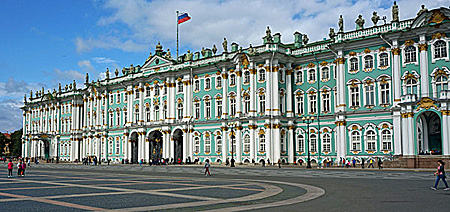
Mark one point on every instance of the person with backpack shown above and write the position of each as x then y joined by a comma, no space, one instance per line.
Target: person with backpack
207,167
19,168
10,168
24,166
440,175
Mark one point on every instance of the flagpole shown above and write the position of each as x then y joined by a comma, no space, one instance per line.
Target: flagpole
177,37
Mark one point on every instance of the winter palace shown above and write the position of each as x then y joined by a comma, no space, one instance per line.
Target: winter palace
376,91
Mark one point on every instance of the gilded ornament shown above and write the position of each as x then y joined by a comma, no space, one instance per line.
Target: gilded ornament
324,63
427,103
423,47
352,54
437,17
311,65
409,42
382,49
438,35
367,51
395,51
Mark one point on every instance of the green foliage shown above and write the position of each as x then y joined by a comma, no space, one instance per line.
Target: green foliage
2,143
16,140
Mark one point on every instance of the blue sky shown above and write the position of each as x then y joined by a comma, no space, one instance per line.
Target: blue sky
46,42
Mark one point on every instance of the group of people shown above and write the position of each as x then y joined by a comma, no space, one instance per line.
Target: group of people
21,167
352,163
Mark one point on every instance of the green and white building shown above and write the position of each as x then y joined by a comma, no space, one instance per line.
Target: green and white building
373,92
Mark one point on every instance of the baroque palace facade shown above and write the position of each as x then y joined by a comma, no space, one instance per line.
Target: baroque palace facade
370,92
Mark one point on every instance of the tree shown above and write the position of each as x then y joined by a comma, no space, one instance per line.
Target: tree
16,143
2,143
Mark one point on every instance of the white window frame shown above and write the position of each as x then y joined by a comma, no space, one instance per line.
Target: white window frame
371,140
379,63
433,49
416,62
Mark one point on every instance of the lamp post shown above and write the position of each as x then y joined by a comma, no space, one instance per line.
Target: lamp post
232,145
308,120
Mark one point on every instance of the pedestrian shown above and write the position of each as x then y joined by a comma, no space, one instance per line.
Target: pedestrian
362,163
10,168
227,162
29,162
268,161
440,174
354,163
380,163
263,162
207,167
19,168
24,166
141,162
343,162
301,162
279,163
371,163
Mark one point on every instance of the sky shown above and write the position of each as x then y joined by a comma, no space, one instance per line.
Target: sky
46,42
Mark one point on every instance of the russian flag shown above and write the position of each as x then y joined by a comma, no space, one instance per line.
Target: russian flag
183,18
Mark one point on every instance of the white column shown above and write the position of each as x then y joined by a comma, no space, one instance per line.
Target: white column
185,143
396,75
130,109
84,113
268,141
445,138
186,103
190,143
410,133
171,146
397,133
224,142
171,101
275,92
276,141
289,93
291,140
238,92
238,143
268,89
405,135
253,142
341,143
341,83
146,147
224,94
141,105
424,74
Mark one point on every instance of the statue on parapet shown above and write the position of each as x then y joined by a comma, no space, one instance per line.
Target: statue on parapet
31,94
25,98
225,45
305,39
188,56
360,22
341,24
395,17
332,34
268,34
375,18
116,72
251,50
87,77
424,9
214,49
59,87
168,55
107,73
74,85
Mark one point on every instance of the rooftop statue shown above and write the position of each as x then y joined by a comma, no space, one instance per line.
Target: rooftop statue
54,91
59,87
31,94
251,50
203,51
168,55
188,56
116,72
149,57
305,39
87,78
332,34
25,98
422,10
360,22
107,73
70,87
225,45
341,24
395,17
67,88
268,34
74,85
375,18
214,49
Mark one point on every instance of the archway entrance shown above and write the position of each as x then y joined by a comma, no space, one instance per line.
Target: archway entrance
156,146
178,145
134,148
44,149
429,136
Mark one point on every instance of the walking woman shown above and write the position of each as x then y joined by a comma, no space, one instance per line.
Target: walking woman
207,167
440,174
10,168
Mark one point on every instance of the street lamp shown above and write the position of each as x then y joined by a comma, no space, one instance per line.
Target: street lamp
232,145
308,120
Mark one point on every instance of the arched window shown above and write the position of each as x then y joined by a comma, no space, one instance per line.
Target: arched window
262,143
411,86
326,142
232,80
111,119
246,143
312,75
118,118
156,90
147,92
384,59
94,144
440,49
299,99
385,94
326,106
280,76
298,77
125,97
196,85
370,94
312,103
219,107
313,143
136,96
118,98
219,143
125,117
110,147
354,93
356,141
300,143
410,54
262,75
325,73
232,106
368,61
157,113
283,141
117,146
180,110
208,109
441,83
136,113
218,82
207,83
386,140
196,144
147,114
247,77
207,144
262,103
246,104
371,140
354,64
180,86
197,110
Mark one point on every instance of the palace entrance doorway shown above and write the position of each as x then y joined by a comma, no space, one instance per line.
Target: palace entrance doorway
134,148
429,136
156,146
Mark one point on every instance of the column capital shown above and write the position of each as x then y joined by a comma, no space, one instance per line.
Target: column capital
423,47
395,51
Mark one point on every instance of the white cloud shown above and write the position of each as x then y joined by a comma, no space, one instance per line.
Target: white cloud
86,66
15,89
68,75
10,115
243,22
103,60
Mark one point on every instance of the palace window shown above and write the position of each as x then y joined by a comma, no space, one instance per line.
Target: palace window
197,110
371,140
281,101
180,87
196,85
370,94
313,143
165,90
111,119
208,109
384,60
147,92
298,77
300,143
354,64
219,143
283,141
262,143
196,144
384,89
386,140
280,76
246,104
232,80
147,114
125,117
117,146
232,106
232,144
354,93
156,90
441,83
246,143
247,77
262,75
262,103
356,141
125,97
165,111
218,82
312,75
219,108
299,99
410,54
157,113
326,142
111,99
440,49
180,110
312,103
207,144
136,96
411,86
110,149
325,74
118,118
326,102
368,62
136,114
207,83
